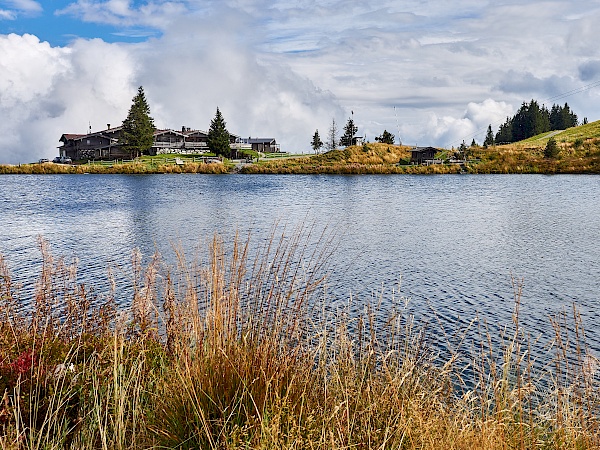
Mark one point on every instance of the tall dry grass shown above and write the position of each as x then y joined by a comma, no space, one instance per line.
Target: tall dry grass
241,349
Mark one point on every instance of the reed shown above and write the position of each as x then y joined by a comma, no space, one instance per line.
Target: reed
240,348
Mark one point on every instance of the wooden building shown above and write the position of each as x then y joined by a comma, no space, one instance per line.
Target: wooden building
263,145
423,155
184,141
100,145
106,144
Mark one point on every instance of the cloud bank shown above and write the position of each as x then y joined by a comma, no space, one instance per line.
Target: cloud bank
434,73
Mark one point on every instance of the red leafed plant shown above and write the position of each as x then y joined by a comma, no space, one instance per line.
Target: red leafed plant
23,363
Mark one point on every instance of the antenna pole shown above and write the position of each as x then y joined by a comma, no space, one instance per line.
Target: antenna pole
398,126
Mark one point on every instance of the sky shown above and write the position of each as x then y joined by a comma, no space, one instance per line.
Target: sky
430,72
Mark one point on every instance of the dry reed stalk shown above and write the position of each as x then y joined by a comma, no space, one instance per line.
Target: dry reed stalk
239,358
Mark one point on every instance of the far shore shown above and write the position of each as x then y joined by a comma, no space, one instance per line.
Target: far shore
578,152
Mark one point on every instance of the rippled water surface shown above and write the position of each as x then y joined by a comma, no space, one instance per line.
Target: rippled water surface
453,241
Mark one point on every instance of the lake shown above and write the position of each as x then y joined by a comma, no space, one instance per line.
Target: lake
451,244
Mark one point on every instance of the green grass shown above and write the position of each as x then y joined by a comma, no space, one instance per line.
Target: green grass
570,135
233,352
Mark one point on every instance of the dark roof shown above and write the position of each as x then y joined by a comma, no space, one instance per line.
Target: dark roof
68,136
261,140
76,137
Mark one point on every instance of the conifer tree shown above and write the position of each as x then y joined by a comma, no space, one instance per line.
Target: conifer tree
218,136
349,132
316,143
138,128
386,138
504,134
489,138
332,139
552,150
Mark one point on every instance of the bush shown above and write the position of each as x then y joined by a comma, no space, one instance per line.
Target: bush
551,150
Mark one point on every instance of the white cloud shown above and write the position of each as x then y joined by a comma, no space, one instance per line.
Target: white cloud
286,67
159,14
24,5
7,15
448,131
47,91
20,7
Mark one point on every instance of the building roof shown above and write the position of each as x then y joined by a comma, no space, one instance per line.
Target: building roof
72,136
260,140
423,149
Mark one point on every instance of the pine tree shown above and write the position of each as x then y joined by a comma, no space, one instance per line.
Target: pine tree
489,138
569,118
316,143
138,128
473,143
332,140
218,136
552,149
386,138
349,132
504,134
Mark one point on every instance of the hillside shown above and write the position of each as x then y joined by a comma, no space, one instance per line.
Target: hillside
374,158
579,153
587,131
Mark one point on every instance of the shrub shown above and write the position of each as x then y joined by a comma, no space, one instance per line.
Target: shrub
552,150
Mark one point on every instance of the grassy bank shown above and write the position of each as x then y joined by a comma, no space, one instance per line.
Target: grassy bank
239,352
137,167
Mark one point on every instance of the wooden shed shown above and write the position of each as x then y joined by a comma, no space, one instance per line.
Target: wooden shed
421,155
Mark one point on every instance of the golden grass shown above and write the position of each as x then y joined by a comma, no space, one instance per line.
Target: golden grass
120,168
233,351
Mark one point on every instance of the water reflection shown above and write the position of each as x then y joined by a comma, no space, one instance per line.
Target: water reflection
454,241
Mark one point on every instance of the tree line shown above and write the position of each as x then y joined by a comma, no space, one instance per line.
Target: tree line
531,120
347,139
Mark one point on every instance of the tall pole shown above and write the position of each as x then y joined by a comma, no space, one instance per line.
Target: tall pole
398,126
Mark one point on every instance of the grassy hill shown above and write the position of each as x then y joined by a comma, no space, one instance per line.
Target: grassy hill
372,158
570,135
579,153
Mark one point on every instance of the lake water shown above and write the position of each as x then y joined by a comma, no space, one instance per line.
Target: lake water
453,241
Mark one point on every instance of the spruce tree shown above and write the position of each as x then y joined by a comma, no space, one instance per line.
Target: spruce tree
552,150
489,138
218,136
138,128
316,143
349,132
505,134
386,138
